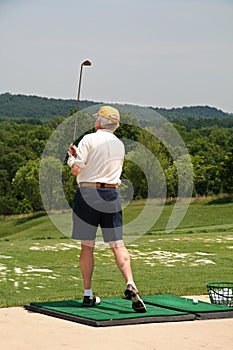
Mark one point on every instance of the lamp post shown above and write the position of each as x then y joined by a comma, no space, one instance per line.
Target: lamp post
84,63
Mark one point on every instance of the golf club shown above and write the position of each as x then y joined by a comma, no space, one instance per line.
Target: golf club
85,63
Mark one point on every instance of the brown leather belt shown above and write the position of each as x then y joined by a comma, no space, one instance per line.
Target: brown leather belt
97,184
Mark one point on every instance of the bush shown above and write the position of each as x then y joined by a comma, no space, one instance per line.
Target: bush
8,205
24,207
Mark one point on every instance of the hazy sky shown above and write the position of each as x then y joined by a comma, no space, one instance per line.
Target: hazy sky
162,53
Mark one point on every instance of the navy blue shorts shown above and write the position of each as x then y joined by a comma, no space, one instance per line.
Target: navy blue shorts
95,207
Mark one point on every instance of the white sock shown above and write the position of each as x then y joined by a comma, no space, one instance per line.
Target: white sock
132,284
88,293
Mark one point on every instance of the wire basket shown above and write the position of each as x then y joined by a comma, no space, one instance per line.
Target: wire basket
220,293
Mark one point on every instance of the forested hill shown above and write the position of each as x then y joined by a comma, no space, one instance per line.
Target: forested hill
193,112
32,108
195,117
36,110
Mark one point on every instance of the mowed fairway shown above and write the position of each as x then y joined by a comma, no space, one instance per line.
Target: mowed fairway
37,262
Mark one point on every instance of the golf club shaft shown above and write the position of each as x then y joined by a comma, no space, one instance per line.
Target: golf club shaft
85,63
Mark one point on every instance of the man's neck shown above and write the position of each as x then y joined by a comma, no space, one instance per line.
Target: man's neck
102,129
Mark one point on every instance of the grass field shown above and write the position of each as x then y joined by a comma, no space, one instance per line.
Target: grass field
39,263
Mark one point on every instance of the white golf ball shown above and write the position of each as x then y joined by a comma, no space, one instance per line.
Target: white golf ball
97,300
195,301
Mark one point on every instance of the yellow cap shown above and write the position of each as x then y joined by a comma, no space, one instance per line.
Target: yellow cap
108,112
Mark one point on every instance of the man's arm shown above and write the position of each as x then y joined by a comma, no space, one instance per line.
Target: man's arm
78,155
75,169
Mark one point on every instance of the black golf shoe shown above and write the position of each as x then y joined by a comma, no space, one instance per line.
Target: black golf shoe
137,303
87,301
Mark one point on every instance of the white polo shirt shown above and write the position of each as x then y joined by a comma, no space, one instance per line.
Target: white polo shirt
100,156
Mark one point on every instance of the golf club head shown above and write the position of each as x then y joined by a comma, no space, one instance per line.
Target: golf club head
86,63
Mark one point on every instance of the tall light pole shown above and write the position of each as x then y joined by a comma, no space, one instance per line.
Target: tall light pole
84,63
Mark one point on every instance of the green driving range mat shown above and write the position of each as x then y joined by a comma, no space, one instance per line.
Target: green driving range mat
201,310
110,312
118,311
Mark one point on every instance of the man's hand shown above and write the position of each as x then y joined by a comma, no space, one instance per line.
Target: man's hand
75,170
72,150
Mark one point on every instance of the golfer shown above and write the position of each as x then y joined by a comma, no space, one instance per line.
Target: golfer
97,163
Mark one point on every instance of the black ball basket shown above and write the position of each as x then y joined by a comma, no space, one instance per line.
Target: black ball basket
220,293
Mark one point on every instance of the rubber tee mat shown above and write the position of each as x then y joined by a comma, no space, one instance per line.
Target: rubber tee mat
117,311
201,310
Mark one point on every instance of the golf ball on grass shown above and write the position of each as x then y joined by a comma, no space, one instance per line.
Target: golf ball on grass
97,300
195,301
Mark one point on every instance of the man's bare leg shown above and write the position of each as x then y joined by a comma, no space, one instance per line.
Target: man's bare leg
122,258
87,262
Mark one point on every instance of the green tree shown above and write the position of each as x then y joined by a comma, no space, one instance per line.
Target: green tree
179,177
5,184
51,185
207,179
144,165
26,186
226,172
69,184
8,205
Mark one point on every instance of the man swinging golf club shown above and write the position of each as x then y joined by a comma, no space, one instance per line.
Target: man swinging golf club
97,163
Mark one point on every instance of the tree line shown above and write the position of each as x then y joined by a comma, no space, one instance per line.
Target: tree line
37,110
22,145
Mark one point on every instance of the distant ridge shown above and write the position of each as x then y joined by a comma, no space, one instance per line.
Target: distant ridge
43,108
193,111
28,108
